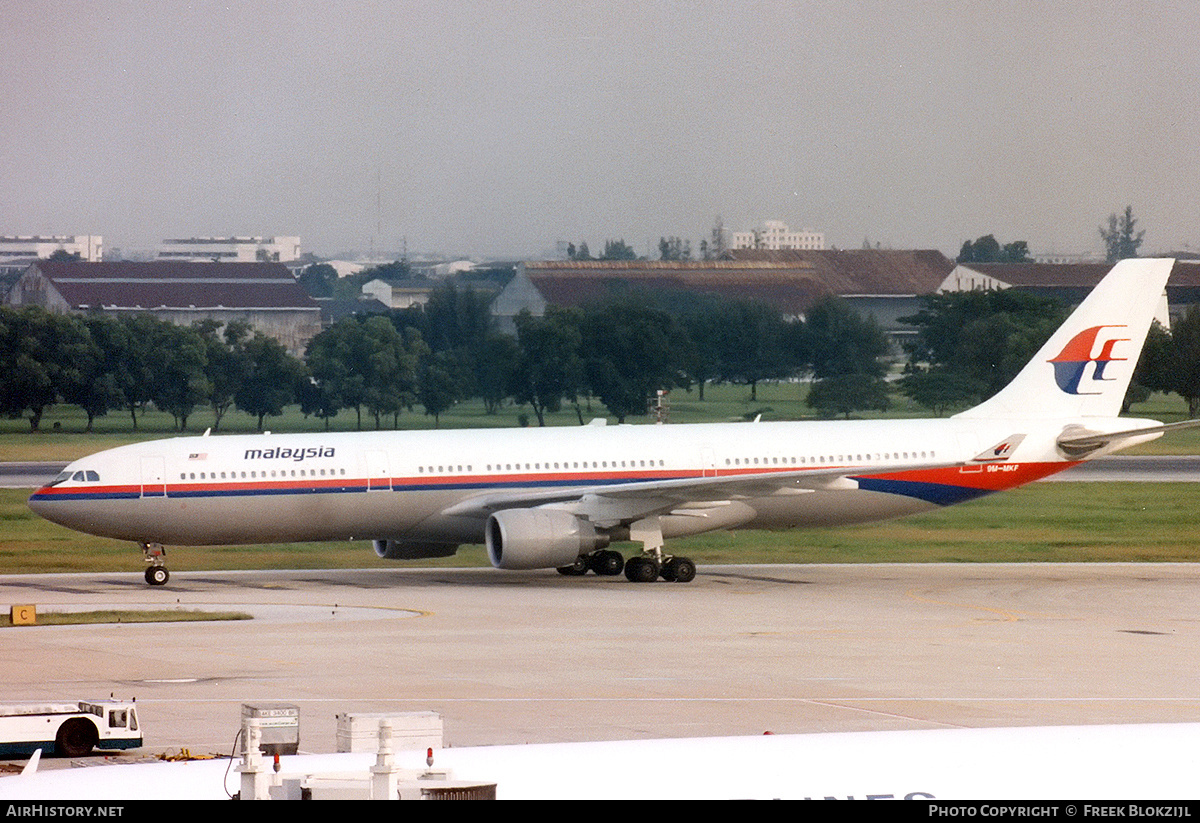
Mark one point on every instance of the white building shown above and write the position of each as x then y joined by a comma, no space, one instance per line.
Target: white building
776,236
231,249
17,252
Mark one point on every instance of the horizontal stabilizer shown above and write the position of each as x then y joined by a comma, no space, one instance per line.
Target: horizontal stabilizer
1077,441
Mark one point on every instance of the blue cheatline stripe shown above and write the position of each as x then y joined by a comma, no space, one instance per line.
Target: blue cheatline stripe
54,498
237,490
941,494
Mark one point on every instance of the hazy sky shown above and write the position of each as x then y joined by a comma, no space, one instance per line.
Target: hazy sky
499,128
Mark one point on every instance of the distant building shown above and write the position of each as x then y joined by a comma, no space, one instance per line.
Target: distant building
885,284
265,295
1071,282
776,236
17,252
1066,257
398,297
231,249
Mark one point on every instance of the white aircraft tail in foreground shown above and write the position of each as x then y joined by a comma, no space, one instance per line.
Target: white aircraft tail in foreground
556,498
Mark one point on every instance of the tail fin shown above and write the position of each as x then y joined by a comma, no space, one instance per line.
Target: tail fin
1085,366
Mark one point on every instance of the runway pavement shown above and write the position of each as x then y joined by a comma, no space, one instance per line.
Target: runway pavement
536,657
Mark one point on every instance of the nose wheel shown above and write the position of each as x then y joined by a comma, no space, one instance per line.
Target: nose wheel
156,555
157,575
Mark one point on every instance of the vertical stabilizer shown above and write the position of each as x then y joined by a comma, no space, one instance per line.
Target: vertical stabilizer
1085,366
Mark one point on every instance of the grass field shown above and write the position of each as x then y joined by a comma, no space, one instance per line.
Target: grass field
1059,522
63,437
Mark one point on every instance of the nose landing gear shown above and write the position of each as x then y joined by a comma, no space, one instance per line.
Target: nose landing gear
155,554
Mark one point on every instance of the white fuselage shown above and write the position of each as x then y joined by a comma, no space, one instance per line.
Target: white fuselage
400,485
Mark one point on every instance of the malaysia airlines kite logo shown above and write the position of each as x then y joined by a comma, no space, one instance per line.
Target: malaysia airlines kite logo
1073,360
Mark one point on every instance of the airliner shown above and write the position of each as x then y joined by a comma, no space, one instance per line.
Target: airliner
558,497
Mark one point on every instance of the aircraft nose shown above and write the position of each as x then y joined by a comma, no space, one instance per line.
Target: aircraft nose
39,504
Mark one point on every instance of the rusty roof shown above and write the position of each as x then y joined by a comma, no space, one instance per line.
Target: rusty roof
863,271
1073,275
792,281
791,288
176,284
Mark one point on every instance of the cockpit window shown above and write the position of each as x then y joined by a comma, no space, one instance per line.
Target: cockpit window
82,476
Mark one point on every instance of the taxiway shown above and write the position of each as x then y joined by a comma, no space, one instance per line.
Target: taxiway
536,657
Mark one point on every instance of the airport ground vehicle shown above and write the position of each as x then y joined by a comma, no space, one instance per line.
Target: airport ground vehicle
68,729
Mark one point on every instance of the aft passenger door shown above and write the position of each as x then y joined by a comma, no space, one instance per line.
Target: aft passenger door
378,478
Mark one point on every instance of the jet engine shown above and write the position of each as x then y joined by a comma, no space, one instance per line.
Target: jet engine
412,550
539,538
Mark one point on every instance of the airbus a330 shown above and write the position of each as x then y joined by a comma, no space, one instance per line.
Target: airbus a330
558,497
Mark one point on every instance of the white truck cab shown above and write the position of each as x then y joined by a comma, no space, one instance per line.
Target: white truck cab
68,729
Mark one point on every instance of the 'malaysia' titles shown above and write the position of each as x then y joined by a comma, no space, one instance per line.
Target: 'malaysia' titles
289,454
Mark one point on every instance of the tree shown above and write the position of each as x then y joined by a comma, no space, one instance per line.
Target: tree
137,357
550,367
838,340
100,362
940,389
985,336
319,279
268,383
496,364
31,349
178,383
751,344
226,366
336,384
673,248
452,319
618,250
442,380
846,393
1154,367
988,250
1121,240
389,369
1170,362
632,350
716,245
843,350
703,318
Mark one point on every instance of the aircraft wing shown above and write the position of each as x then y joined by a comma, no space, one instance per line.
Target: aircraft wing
643,498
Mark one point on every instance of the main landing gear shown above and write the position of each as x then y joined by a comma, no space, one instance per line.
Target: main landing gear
641,568
155,555
646,567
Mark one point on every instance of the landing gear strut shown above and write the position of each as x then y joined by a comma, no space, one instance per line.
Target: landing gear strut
652,563
155,555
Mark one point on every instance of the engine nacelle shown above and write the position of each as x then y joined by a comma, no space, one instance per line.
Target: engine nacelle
412,550
539,538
